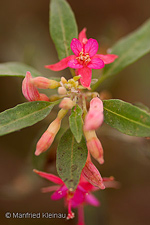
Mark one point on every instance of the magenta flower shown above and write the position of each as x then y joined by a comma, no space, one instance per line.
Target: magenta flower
82,195
84,59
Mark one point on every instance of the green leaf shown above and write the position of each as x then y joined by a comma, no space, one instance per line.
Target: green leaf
129,49
71,158
16,69
63,27
75,122
127,118
24,115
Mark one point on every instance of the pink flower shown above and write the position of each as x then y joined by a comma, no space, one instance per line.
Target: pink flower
94,117
82,194
84,59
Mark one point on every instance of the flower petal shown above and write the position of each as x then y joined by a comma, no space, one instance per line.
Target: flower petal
79,197
49,176
91,47
76,46
74,64
96,63
61,65
82,36
109,58
86,74
90,199
60,193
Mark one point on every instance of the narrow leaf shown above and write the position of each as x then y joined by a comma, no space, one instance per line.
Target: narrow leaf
16,69
75,122
127,118
63,27
24,115
71,158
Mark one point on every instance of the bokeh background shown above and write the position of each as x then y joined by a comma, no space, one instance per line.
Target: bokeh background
24,37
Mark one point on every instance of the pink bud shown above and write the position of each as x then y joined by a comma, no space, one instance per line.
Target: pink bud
45,83
62,91
43,97
47,138
96,104
94,146
91,173
94,117
28,89
93,120
66,103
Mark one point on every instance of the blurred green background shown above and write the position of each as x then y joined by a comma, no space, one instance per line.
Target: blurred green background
24,37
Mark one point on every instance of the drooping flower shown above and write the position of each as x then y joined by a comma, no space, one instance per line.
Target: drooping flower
82,195
94,117
84,59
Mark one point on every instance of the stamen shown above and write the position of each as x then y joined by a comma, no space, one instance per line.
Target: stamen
83,58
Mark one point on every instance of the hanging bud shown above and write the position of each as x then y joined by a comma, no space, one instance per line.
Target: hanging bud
96,104
94,117
94,146
66,103
45,83
48,137
30,91
92,175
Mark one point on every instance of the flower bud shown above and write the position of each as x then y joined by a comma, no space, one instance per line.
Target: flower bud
30,91
47,138
91,173
96,104
93,120
94,146
62,91
94,117
66,103
63,80
45,83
